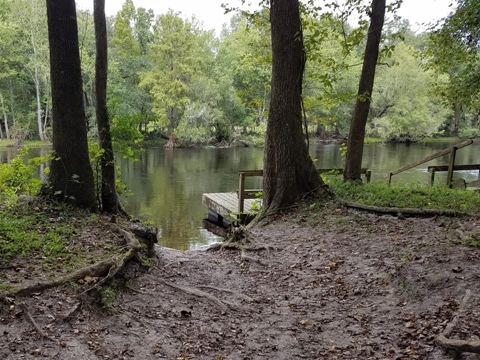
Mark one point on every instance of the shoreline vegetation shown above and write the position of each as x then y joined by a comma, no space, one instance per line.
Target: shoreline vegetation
241,143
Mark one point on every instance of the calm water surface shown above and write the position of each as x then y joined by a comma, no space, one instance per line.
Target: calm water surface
167,185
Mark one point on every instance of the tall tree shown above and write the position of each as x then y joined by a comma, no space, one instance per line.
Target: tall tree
453,49
289,173
175,55
31,17
353,160
109,194
71,176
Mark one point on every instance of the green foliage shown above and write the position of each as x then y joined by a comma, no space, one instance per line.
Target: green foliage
453,50
19,178
95,155
174,55
407,196
403,107
469,133
207,90
125,129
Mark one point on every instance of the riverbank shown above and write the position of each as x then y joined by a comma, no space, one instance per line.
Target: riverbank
326,282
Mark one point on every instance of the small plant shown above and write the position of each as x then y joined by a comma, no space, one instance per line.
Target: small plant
108,295
257,203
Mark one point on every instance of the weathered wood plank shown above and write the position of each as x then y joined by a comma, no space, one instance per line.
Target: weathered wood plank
226,204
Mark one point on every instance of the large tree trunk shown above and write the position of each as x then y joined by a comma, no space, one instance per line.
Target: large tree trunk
289,173
353,160
71,176
109,193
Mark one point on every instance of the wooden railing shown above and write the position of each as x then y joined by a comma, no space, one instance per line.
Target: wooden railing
451,150
437,168
242,192
252,193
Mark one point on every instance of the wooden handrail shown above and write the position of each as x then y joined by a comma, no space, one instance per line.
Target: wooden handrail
451,150
435,168
241,186
251,193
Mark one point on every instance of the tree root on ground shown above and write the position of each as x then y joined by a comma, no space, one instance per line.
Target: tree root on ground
251,259
403,211
199,293
108,268
30,319
457,346
237,294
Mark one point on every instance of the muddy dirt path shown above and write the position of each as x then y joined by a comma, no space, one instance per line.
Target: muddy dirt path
340,284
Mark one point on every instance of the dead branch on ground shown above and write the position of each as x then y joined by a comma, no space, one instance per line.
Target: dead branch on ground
458,346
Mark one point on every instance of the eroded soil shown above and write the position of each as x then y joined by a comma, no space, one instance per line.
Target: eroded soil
340,284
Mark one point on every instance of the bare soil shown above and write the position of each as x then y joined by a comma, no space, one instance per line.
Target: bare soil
330,284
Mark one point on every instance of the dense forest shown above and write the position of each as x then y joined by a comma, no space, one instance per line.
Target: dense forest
171,79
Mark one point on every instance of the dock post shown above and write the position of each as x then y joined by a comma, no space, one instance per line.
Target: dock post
241,192
432,176
451,164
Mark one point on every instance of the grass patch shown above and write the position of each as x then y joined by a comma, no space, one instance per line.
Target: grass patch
52,239
407,196
32,233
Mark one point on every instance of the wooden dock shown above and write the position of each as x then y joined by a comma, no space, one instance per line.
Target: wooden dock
240,207
226,204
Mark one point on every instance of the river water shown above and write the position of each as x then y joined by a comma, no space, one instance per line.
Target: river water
167,185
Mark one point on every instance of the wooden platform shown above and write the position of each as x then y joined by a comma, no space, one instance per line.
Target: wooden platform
226,204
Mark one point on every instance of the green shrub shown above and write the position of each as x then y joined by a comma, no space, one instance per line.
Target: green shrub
469,133
19,178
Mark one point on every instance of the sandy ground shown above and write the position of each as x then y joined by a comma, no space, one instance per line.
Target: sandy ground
329,284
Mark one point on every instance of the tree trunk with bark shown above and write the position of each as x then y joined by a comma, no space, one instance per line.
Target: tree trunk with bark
109,193
289,172
356,136
71,176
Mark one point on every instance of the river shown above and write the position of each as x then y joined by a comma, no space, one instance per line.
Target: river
167,185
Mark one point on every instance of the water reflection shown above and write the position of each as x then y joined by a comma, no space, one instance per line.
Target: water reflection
167,185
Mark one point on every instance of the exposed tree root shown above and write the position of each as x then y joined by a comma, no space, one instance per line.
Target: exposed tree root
237,294
108,268
29,318
199,293
251,259
240,235
403,211
133,248
458,346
